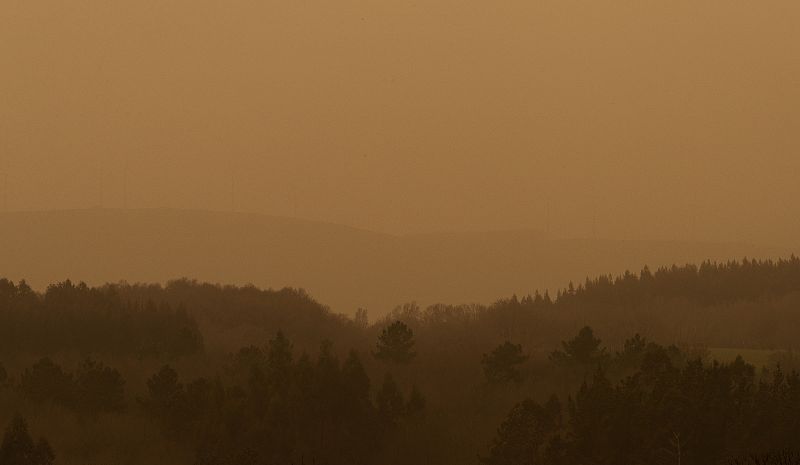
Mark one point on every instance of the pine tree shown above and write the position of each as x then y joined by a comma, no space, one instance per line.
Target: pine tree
584,349
395,344
279,362
501,366
99,388
416,402
390,401
522,436
355,379
18,447
46,381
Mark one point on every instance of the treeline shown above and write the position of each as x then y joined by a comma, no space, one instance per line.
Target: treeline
647,403
197,373
710,283
92,389
279,408
670,410
99,320
228,314
265,405
19,448
747,304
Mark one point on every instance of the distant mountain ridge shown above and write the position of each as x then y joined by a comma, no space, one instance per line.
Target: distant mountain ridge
340,266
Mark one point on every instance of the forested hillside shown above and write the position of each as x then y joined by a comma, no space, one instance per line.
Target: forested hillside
344,267
198,373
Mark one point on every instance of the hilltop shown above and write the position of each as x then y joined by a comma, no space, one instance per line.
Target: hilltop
340,266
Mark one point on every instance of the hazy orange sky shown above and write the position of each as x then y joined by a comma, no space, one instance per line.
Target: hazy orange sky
660,119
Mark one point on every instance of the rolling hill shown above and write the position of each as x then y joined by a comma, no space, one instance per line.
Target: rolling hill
340,266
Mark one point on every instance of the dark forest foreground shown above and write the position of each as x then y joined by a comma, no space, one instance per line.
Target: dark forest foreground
612,371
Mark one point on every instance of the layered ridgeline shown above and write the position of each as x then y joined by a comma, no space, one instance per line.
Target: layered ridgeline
742,304
343,267
207,374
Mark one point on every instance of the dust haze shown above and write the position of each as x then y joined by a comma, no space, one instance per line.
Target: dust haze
399,232
625,120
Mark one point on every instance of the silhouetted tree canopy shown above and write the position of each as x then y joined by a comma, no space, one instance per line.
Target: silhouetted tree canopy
524,436
237,374
18,447
286,411
502,364
705,413
46,381
416,401
99,388
395,343
584,349
390,400
91,320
